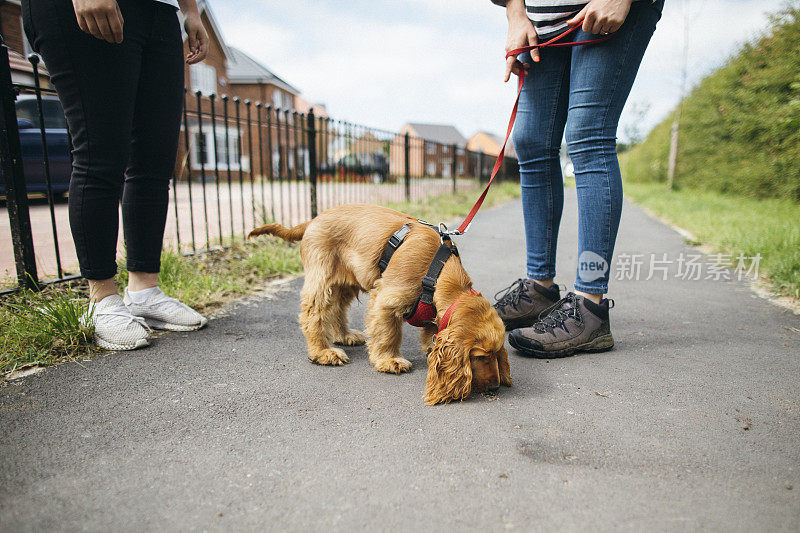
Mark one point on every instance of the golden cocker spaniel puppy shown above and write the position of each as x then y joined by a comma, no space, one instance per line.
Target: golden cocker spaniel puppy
341,249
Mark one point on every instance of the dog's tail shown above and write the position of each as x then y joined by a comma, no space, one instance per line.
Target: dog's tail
287,234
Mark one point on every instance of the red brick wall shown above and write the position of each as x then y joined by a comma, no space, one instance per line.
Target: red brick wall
11,27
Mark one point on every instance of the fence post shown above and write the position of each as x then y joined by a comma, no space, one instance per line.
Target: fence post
480,165
406,155
454,164
312,161
14,177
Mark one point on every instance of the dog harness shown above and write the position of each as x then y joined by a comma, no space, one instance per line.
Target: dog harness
424,312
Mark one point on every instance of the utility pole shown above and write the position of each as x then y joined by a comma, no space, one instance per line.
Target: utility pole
676,123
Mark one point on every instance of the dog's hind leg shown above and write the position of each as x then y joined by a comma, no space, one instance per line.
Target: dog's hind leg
384,327
317,316
342,334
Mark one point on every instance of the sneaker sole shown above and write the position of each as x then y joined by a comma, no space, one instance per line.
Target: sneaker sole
159,324
141,343
600,344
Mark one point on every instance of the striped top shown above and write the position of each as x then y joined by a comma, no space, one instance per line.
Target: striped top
549,17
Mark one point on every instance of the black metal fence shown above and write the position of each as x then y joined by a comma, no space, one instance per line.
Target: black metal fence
240,164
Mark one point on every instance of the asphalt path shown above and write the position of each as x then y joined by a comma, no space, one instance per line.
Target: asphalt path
690,423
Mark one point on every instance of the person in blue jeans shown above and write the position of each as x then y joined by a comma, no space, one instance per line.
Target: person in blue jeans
577,92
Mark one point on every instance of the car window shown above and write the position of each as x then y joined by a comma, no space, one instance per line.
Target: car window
27,109
53,113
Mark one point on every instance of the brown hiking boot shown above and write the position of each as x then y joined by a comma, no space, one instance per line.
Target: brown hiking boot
573,324
520,304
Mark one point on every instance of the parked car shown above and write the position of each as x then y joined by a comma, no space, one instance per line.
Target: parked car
374,166
31,140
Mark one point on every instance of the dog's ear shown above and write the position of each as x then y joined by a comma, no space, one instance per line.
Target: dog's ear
503,368
449,369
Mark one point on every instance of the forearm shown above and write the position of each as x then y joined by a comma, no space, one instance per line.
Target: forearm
188,7
516,9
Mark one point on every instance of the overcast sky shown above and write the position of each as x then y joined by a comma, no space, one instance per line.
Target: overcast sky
384,63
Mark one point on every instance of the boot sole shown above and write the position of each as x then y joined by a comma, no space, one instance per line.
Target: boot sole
600,344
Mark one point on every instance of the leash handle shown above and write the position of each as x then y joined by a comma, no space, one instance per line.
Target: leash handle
464,227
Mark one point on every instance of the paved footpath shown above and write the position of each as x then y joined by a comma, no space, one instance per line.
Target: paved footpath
692,422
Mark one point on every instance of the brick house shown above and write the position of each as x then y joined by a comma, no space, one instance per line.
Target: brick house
490,144
431,150
18,46
232,72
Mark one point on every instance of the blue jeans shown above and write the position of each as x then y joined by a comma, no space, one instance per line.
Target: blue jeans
581,90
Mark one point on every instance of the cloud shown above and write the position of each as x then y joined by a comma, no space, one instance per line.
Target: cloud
385,63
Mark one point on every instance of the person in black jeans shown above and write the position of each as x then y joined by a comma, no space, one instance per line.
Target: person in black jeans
118,69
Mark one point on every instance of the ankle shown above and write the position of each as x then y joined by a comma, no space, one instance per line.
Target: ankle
546,283
101,289
139,281
594,298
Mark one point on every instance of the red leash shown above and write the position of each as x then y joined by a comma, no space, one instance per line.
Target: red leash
499,162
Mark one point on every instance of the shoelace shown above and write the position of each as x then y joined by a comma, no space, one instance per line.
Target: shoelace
162,298
562,311
511,295
125,314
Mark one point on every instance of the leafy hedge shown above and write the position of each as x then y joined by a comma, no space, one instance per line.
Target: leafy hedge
740,127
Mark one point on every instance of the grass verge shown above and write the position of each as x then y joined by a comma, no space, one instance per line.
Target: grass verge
42,329
449,206
734,225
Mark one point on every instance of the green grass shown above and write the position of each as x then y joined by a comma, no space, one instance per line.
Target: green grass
447,207
740,126
734,225
40,329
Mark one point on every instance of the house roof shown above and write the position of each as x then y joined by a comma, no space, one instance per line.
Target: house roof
203,7
510,152
441,133
244,69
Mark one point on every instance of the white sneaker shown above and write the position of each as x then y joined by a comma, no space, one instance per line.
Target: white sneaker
115,328
162,312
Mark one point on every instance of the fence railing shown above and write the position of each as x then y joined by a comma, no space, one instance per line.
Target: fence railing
240,164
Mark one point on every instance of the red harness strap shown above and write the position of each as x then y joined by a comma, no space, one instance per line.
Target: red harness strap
446,316
499,162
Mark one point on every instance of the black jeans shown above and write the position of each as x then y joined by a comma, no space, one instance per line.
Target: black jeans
123,104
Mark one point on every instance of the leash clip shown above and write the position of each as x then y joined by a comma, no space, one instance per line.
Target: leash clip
444,233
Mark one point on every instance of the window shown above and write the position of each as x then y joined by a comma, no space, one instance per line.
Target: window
204,78
446,171
204,149
460,168
430,169
277,100
445,149
430,148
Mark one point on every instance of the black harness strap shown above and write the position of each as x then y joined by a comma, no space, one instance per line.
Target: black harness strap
429,280
423,313
391,247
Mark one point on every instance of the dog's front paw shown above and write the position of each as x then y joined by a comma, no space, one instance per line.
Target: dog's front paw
330,356
352,338
393,365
